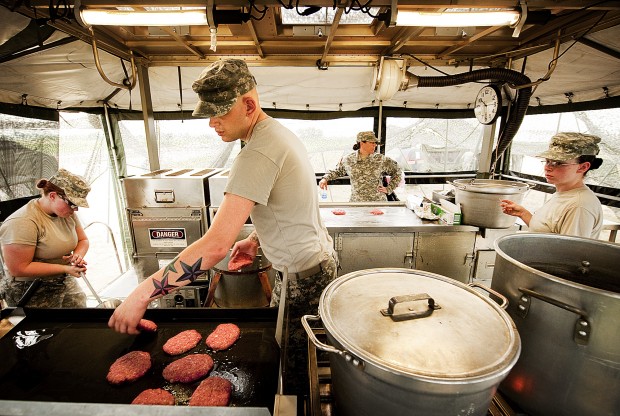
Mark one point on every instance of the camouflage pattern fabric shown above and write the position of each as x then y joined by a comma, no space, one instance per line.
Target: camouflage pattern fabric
303,297
367,136
60,292
75,187
219,85
366,175
567,146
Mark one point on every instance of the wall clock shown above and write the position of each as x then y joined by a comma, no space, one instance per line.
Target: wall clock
488,104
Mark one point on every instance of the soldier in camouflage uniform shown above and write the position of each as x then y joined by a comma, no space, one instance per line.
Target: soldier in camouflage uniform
273,182
44,239
573,209
365,169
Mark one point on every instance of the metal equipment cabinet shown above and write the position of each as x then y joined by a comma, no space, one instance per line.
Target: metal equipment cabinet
398,238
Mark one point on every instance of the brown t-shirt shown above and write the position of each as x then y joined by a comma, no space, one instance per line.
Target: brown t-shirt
53,237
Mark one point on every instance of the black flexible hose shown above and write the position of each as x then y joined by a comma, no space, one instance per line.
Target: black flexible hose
517,113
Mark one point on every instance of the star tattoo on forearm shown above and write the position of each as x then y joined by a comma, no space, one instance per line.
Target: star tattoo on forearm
190,273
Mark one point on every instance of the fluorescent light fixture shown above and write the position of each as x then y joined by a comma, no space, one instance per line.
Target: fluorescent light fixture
458,19
115,17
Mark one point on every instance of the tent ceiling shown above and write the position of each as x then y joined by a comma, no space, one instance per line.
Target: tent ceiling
285,58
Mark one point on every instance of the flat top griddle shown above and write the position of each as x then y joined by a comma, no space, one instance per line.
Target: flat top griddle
71,366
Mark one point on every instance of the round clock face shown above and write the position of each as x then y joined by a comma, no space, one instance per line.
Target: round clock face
488,104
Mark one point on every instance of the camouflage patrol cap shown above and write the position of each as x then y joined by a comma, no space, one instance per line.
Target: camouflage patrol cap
75,187
566,146
219,85
367,136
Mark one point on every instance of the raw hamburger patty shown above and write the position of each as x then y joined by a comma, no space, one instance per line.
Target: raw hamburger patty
338,211
223,337
129,367
213,391
146,325
240,260
182,342
188,369
154,396
376,212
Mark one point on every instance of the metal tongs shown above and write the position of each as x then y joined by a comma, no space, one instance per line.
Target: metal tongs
110,303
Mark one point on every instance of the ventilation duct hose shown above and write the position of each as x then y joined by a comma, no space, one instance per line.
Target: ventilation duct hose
517,113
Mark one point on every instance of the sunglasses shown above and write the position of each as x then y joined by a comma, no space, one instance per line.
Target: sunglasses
556,163
71,204
366,141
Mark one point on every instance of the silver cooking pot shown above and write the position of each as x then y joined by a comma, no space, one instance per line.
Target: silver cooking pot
564,295
480,198
409,342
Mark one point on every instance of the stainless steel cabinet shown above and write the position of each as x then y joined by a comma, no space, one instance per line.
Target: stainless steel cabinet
446,253
358,251
449,254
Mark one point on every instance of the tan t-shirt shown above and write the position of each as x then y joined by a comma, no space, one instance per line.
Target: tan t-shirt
53,237
576,212
273,170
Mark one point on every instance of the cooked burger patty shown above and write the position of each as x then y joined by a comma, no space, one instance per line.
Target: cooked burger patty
154,396
129,367
146,325
212,391
182,342
223,337
188,369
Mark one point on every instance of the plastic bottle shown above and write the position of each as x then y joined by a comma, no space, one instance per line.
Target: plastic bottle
323,194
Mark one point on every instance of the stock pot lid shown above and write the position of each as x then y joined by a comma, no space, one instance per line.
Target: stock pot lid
464,336
491,186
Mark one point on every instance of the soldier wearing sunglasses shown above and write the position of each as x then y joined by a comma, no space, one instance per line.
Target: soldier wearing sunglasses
573,209
44,240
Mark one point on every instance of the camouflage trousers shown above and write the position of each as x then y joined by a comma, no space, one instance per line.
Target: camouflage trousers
303,297
57,292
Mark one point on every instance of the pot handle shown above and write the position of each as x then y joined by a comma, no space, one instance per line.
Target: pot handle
327,348
583,328
503,298
409,315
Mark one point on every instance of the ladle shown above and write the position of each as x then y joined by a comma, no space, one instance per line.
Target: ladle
110,303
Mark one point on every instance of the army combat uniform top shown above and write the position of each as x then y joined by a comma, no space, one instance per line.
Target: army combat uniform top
366,175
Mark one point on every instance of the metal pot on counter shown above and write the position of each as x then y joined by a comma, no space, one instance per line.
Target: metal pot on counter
408,342
564,295
480,198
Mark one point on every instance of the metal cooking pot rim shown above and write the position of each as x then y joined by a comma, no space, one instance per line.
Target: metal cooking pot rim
469,338
492,186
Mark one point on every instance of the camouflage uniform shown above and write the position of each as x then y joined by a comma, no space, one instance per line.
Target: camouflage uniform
31,226
567,146
303,297
57,292
367,174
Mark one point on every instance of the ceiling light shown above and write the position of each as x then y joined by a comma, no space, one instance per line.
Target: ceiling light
143,18
454,19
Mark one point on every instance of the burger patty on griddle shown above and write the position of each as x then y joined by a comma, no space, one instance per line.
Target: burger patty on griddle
188,369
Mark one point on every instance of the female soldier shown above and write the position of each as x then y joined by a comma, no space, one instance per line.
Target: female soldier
366,169
573,209
44,239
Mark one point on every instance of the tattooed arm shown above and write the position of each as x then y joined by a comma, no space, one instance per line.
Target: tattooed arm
188,265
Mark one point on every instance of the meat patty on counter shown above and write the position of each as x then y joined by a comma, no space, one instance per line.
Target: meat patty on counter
188,369
212,391
223,337
147,326
155,396
129,367
182,342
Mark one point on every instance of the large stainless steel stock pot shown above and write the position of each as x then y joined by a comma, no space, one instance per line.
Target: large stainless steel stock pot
480,198
564,295
408,342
